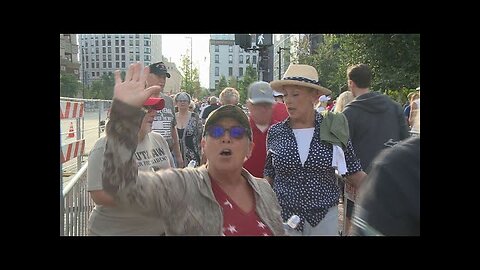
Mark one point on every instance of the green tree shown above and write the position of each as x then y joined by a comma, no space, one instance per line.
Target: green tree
108,82
191,77
249,77
233,82
102,88
221,85
96,89
302,53
326,60
204,92
69,85
393,58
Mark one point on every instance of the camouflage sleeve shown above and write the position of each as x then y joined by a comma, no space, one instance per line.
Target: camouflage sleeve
119,167
153,192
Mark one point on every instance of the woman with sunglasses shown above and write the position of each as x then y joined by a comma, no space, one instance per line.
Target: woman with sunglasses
218,198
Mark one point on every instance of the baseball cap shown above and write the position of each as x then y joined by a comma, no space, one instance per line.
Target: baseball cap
159,69
277,94
260,92
232,111
157,103
324,98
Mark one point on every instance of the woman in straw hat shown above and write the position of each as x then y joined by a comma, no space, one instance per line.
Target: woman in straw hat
305,150
219,198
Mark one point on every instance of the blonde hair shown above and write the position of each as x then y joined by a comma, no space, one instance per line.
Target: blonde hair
342,101
229,95
192,105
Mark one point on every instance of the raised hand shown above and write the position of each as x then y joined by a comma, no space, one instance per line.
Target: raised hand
132,91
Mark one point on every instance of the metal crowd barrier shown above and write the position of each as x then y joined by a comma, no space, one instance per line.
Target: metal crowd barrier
75,144
77,205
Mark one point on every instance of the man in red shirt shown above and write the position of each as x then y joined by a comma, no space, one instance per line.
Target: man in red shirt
280,112
260,107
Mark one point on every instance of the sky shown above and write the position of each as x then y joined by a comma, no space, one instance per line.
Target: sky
176,45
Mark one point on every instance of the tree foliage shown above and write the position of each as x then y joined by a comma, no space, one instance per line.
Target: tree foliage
249,77
69,85
191,77
222,83
102,88
393,58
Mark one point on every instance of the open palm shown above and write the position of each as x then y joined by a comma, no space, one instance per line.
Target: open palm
132,91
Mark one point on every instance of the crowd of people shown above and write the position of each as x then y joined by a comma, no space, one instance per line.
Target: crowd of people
170,166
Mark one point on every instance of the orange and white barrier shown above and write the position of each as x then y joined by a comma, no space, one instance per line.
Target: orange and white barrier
70,109
71,131
72,150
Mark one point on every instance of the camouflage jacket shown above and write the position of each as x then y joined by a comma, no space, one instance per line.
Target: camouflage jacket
183,198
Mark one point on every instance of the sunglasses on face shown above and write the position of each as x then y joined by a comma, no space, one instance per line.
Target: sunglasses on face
236,132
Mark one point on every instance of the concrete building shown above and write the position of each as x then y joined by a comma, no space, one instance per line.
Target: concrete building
174,83
69,54
228,59
286,44
104,53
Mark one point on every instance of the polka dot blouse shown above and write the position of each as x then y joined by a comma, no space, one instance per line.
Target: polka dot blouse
307,190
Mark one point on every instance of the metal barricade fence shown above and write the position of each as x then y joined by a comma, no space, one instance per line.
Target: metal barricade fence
76,141
77,205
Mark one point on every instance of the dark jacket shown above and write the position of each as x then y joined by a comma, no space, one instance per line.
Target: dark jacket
373,120
395,175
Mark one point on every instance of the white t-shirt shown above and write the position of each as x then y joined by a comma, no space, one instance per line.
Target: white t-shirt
151,154
304,138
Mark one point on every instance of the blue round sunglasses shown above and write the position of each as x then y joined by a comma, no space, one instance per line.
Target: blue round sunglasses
236,132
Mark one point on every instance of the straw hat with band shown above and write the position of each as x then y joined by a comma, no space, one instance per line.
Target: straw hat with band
302,75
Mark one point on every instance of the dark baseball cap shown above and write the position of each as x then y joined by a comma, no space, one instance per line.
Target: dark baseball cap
159,69
232,111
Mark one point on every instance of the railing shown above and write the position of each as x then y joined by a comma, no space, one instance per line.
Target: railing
82,127
77,205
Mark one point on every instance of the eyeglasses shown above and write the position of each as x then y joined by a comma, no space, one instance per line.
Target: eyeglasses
236,132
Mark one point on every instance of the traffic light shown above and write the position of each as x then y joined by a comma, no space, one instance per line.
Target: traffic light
264,40
243,40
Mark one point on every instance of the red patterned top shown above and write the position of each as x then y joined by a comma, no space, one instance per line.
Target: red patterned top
236,222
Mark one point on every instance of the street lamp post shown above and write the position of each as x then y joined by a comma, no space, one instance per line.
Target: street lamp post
83,72
191,61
